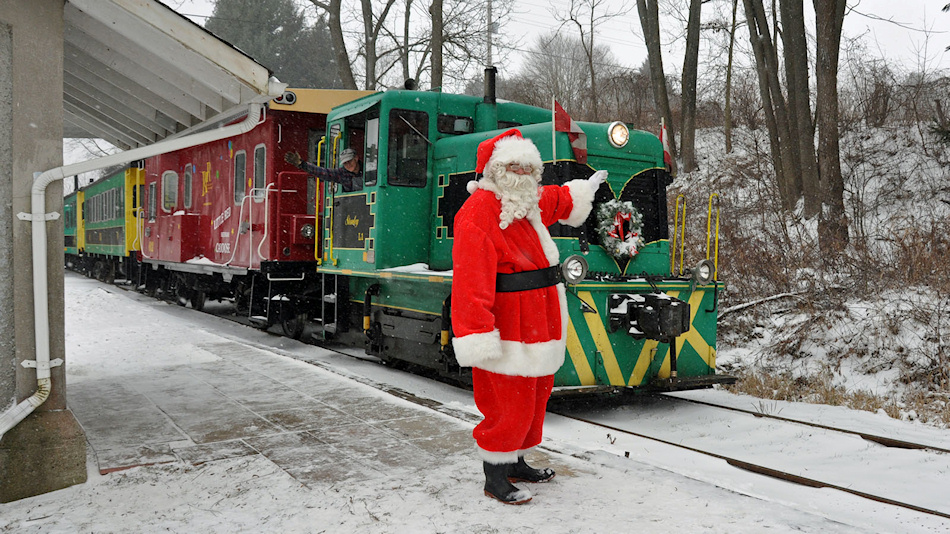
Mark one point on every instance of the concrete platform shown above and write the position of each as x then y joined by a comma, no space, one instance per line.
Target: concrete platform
313,424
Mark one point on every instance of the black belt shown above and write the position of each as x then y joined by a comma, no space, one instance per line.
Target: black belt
525,280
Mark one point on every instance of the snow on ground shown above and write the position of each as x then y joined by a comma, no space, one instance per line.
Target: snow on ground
655,489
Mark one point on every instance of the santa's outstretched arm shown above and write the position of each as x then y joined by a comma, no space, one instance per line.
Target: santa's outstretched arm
571,203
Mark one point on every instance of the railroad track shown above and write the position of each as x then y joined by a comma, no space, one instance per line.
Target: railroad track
677,440
886,441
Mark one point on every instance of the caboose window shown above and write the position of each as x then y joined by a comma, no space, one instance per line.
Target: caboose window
260,160
169,191
240,175
152,202
408,147
189,180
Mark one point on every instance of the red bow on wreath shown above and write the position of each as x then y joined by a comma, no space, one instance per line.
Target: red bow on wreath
621,227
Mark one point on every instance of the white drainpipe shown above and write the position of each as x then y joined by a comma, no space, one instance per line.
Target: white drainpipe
39,217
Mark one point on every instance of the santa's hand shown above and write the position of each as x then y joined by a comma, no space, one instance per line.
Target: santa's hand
596,179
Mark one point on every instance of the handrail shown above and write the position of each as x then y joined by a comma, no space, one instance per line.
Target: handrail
681,228
708,228
316,207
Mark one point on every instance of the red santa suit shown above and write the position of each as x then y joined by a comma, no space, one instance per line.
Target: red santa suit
515,341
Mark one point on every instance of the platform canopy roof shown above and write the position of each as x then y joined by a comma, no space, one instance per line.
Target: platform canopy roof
137,72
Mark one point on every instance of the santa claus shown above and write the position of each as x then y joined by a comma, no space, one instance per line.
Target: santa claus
509,313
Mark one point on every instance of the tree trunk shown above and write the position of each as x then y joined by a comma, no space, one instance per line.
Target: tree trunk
727,112
369,45
437,31
650,22
404,48
332,8
690,67
800,122
786,167
833,221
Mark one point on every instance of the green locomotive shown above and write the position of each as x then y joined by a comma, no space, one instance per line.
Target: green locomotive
385,251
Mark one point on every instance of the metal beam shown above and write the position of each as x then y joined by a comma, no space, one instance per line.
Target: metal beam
116,84
103,60
84,92
132,59
142,41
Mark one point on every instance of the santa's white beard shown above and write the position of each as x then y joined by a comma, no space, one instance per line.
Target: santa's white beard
519,196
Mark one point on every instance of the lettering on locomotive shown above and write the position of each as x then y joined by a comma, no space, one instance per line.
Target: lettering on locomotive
352,221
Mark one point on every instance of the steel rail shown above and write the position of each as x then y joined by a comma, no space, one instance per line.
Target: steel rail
881,440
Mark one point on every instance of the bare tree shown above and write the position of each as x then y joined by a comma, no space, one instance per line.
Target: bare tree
583,15
435,11
801,128
690,68
727,112
650,22
833,222
332,9
773,100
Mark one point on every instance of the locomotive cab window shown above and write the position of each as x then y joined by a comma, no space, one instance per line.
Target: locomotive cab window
169,191
240,175
455,124
408,147
371,152
260,160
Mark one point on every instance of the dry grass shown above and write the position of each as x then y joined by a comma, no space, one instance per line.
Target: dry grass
921,404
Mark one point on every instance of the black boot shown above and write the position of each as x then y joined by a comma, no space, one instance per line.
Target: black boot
522,472
498,487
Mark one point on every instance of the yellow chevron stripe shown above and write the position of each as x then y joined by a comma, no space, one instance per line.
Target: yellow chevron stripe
643,361
692,336
599,333
576,351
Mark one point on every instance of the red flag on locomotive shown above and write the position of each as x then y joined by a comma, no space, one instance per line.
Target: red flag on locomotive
564,123
667,158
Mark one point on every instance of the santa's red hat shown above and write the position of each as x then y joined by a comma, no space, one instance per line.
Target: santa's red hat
506,147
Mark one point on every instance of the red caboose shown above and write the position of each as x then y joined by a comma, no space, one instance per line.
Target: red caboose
226,218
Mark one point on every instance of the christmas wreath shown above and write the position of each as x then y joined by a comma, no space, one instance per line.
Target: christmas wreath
619,226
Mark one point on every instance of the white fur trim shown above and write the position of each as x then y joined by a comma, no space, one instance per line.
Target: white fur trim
475,350
471,186
515,149
544,237
527,359
497,458
583,196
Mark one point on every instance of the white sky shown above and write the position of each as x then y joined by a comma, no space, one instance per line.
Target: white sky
899,30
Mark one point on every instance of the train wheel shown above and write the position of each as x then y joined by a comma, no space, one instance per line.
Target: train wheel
198,299
293,325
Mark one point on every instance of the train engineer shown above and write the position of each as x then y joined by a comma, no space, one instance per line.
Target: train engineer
347,174
509,311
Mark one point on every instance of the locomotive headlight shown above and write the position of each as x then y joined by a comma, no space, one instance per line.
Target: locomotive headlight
704,272
618,134
574,269
307,231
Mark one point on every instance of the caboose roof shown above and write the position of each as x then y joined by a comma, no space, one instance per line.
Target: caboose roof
136,72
